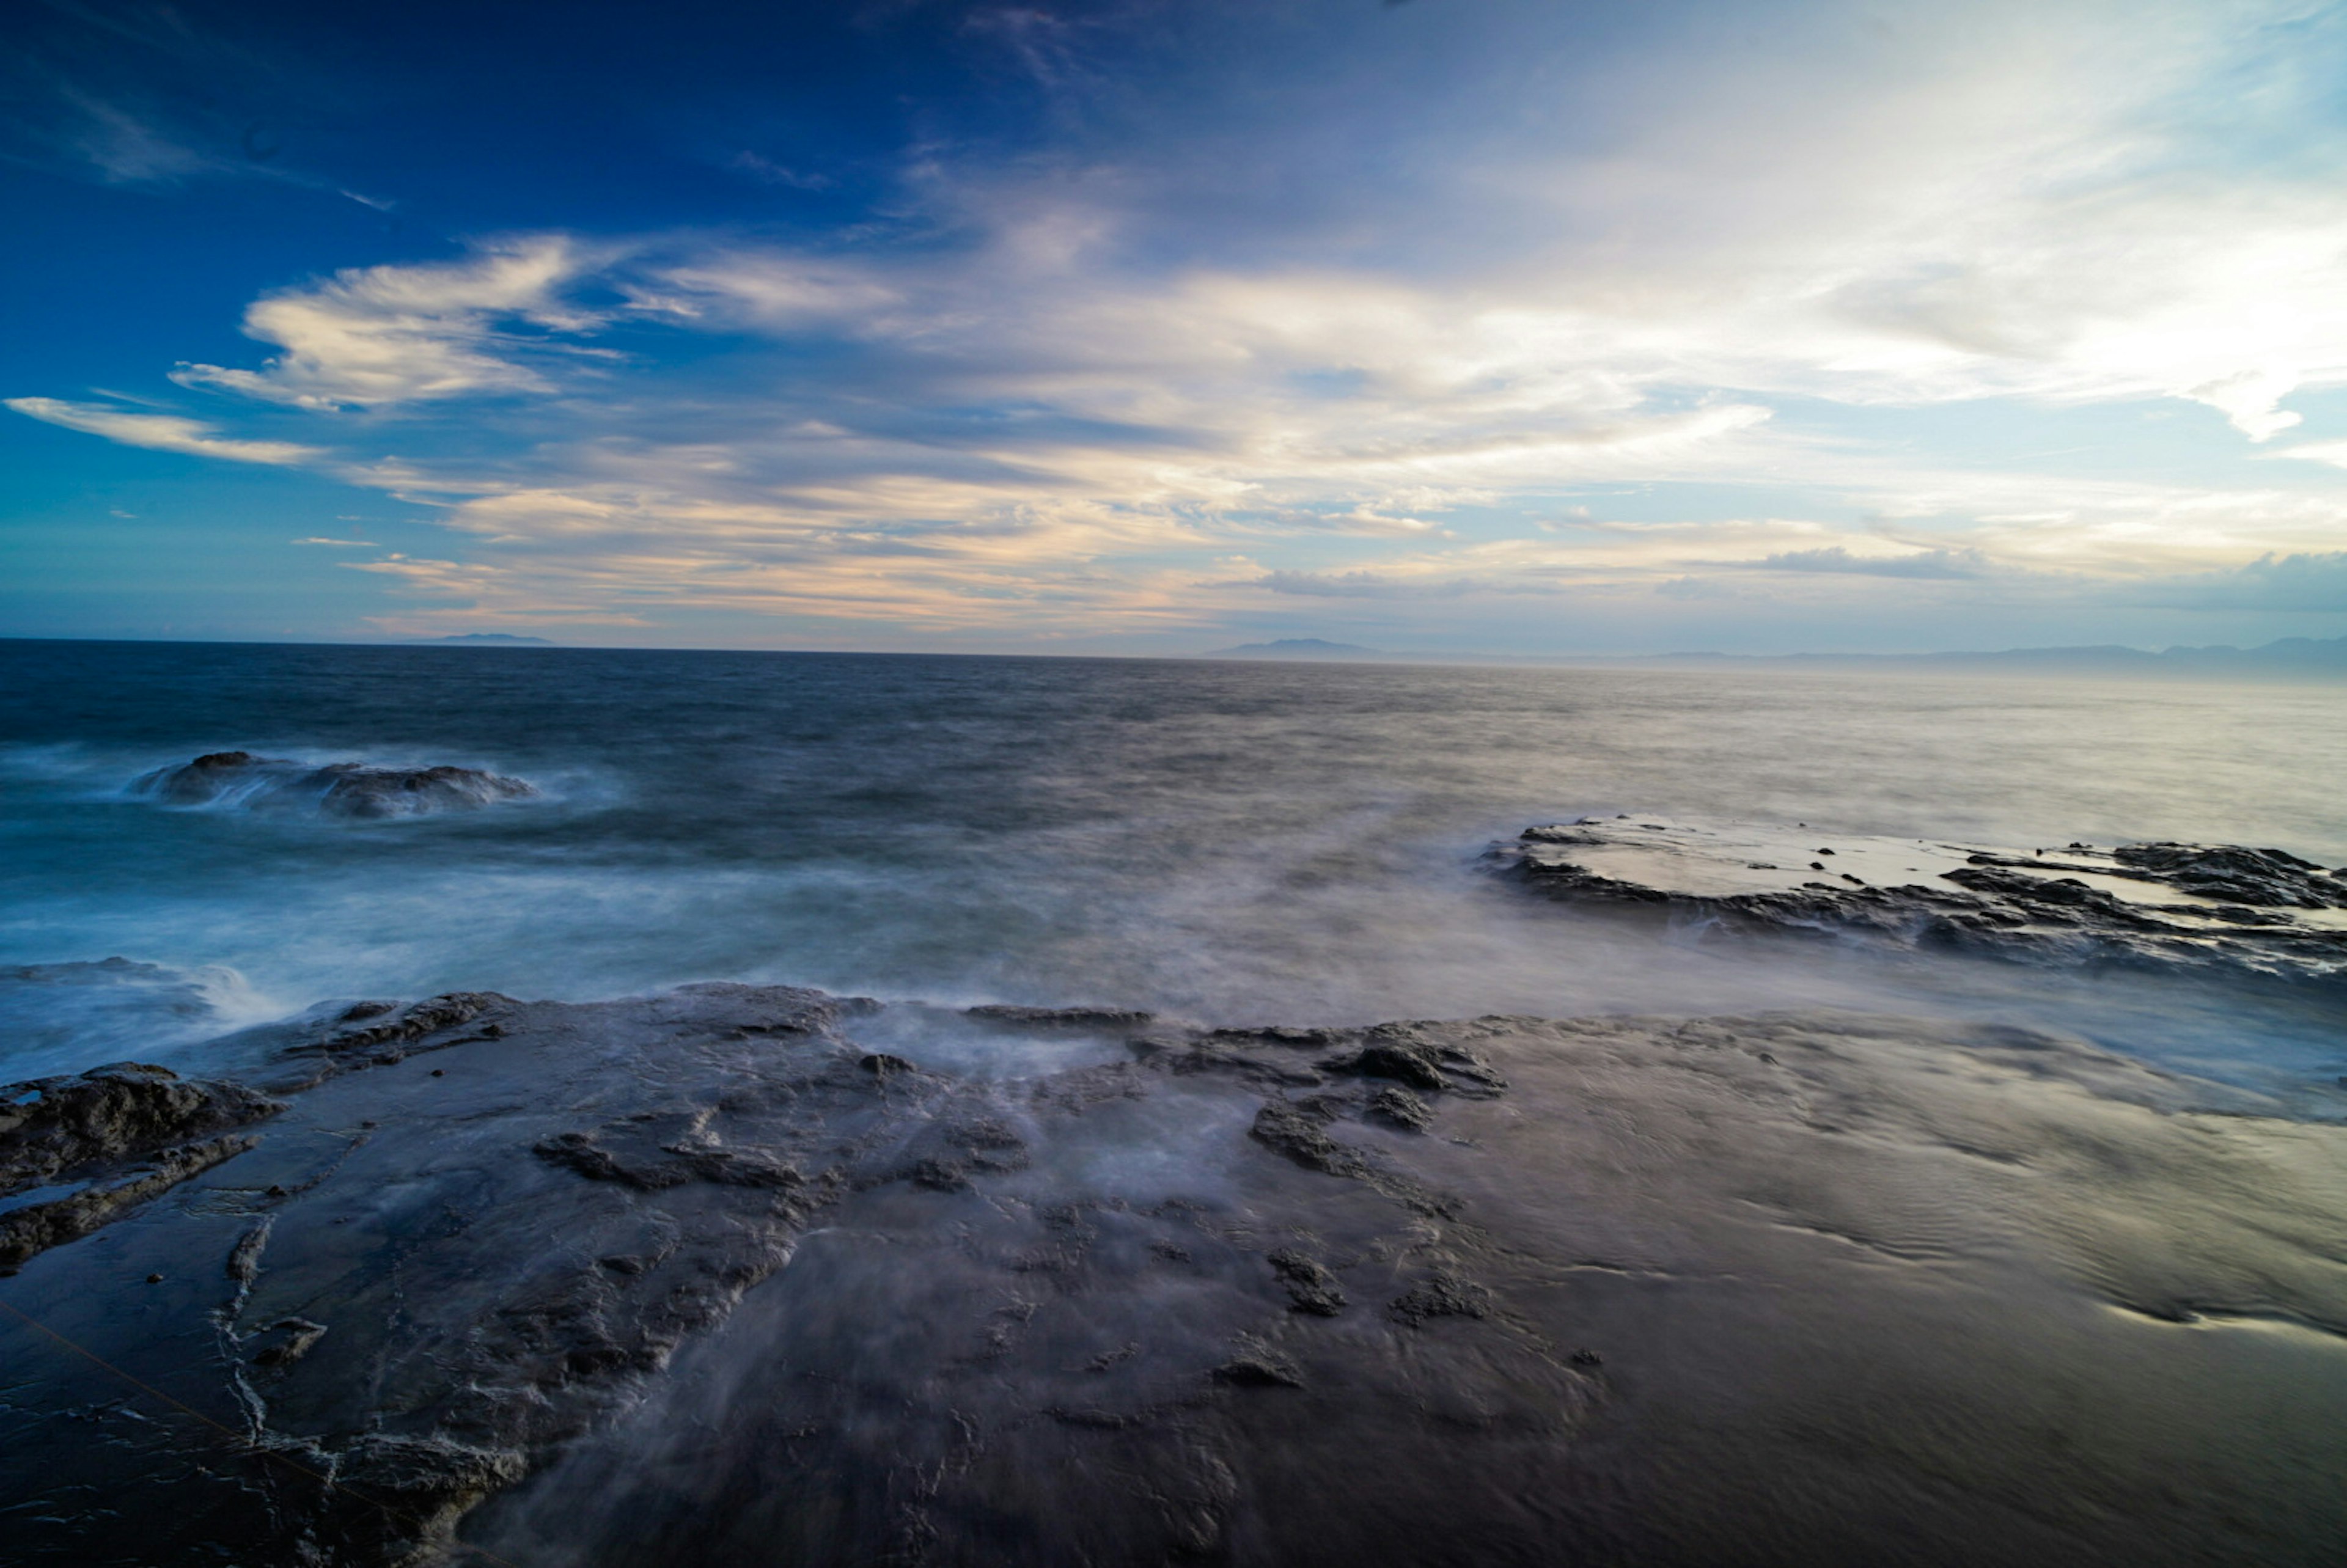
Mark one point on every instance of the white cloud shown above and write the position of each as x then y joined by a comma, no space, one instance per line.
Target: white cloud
376,336
160,432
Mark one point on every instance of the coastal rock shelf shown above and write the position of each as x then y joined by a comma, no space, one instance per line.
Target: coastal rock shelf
756,1275
335,789
2263,910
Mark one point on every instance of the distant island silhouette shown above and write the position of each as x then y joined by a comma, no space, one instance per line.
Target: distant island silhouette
491,639
1302,648
2303,657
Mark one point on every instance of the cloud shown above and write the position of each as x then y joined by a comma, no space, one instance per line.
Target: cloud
372,337
2331,452
767,171
1924,564
2295,583
2248,398
161,431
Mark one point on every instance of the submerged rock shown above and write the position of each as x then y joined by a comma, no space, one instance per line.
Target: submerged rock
337,789
2188,905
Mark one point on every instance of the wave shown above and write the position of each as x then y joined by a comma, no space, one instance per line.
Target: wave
239,780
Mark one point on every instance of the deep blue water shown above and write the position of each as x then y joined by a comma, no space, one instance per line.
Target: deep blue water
1228,841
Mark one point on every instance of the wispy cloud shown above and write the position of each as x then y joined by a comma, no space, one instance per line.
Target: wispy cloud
1940,564
162,432
377,336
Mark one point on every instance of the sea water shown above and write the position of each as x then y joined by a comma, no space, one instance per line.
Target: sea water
1228,842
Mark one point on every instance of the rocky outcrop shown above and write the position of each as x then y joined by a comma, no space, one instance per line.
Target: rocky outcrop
335,789
2159,905
704,1277
76,1153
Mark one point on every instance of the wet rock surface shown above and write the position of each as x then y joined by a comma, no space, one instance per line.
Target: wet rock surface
710,1277
76,1151
2192,907
335,789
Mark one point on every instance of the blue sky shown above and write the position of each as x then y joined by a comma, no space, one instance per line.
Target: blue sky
1154,325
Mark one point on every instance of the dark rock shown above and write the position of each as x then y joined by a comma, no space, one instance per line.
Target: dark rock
300,1336
1295,1132
1276,1034
1084,1018
337,789
1399,1107
1407,1054
1256,1366
2271,879
1441,1295
2073,907
1388,1059
244,1258
1310,1287
945,1155
26,1232
52,1127
125,1132
383,1039
880,1064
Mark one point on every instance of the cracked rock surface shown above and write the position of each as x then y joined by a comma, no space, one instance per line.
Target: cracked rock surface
756,1275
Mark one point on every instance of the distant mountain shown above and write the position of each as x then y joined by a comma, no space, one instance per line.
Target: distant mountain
2291,657
1298,648
490,639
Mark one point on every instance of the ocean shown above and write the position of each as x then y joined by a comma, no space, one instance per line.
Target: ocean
1379,1208
1225,842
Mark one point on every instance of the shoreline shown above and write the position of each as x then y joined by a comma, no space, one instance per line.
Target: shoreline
557,1279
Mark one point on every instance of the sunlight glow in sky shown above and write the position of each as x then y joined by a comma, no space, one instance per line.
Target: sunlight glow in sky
1154,325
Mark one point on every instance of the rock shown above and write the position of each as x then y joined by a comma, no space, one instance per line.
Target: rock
1089,1019
26,1232
1310,1287
1441,1295
2168,905
1258,1366
336,789
2271,879
1397,1107
622,1292
54,1126
1257,1372
1387,1059
384,1037
300,1336
1296,1131
120,1134
945,1155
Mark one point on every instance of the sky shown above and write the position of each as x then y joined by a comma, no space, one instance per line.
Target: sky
1152,326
